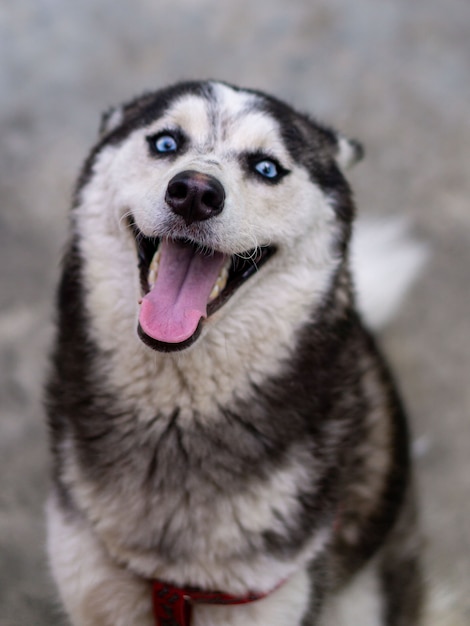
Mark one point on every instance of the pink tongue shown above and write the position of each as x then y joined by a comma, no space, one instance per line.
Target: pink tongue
171,311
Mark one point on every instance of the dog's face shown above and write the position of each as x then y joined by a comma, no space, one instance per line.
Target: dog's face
203,198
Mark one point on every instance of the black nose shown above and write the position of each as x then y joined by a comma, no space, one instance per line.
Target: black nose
195,196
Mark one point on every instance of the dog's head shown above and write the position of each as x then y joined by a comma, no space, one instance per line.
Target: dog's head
198,191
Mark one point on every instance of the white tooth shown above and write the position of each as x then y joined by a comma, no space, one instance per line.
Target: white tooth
214,293
220,283
153,269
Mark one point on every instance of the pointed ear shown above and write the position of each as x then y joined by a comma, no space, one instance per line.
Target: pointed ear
110,120
348,153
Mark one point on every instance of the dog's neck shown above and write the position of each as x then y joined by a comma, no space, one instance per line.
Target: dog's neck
174,604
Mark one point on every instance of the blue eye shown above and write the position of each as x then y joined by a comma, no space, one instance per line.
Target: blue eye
267,169
165,143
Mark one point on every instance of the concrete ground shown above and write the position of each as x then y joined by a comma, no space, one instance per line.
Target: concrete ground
395,74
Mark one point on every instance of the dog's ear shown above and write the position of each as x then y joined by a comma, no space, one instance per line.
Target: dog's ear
110,120
348,152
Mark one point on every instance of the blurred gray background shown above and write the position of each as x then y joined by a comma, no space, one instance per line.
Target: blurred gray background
395,74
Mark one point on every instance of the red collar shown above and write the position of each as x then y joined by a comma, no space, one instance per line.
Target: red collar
172,605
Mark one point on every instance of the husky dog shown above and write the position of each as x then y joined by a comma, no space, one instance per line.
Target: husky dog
221,422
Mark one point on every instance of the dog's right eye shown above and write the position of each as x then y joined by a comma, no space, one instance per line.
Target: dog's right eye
166,143
163,143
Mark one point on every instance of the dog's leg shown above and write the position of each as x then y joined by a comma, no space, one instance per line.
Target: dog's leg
359,603
93,589
400,570
389,591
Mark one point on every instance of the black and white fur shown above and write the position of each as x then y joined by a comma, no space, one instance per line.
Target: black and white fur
274,449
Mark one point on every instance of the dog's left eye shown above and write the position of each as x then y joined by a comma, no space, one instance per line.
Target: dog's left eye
267,169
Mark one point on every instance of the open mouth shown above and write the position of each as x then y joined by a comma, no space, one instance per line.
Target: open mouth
183,283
